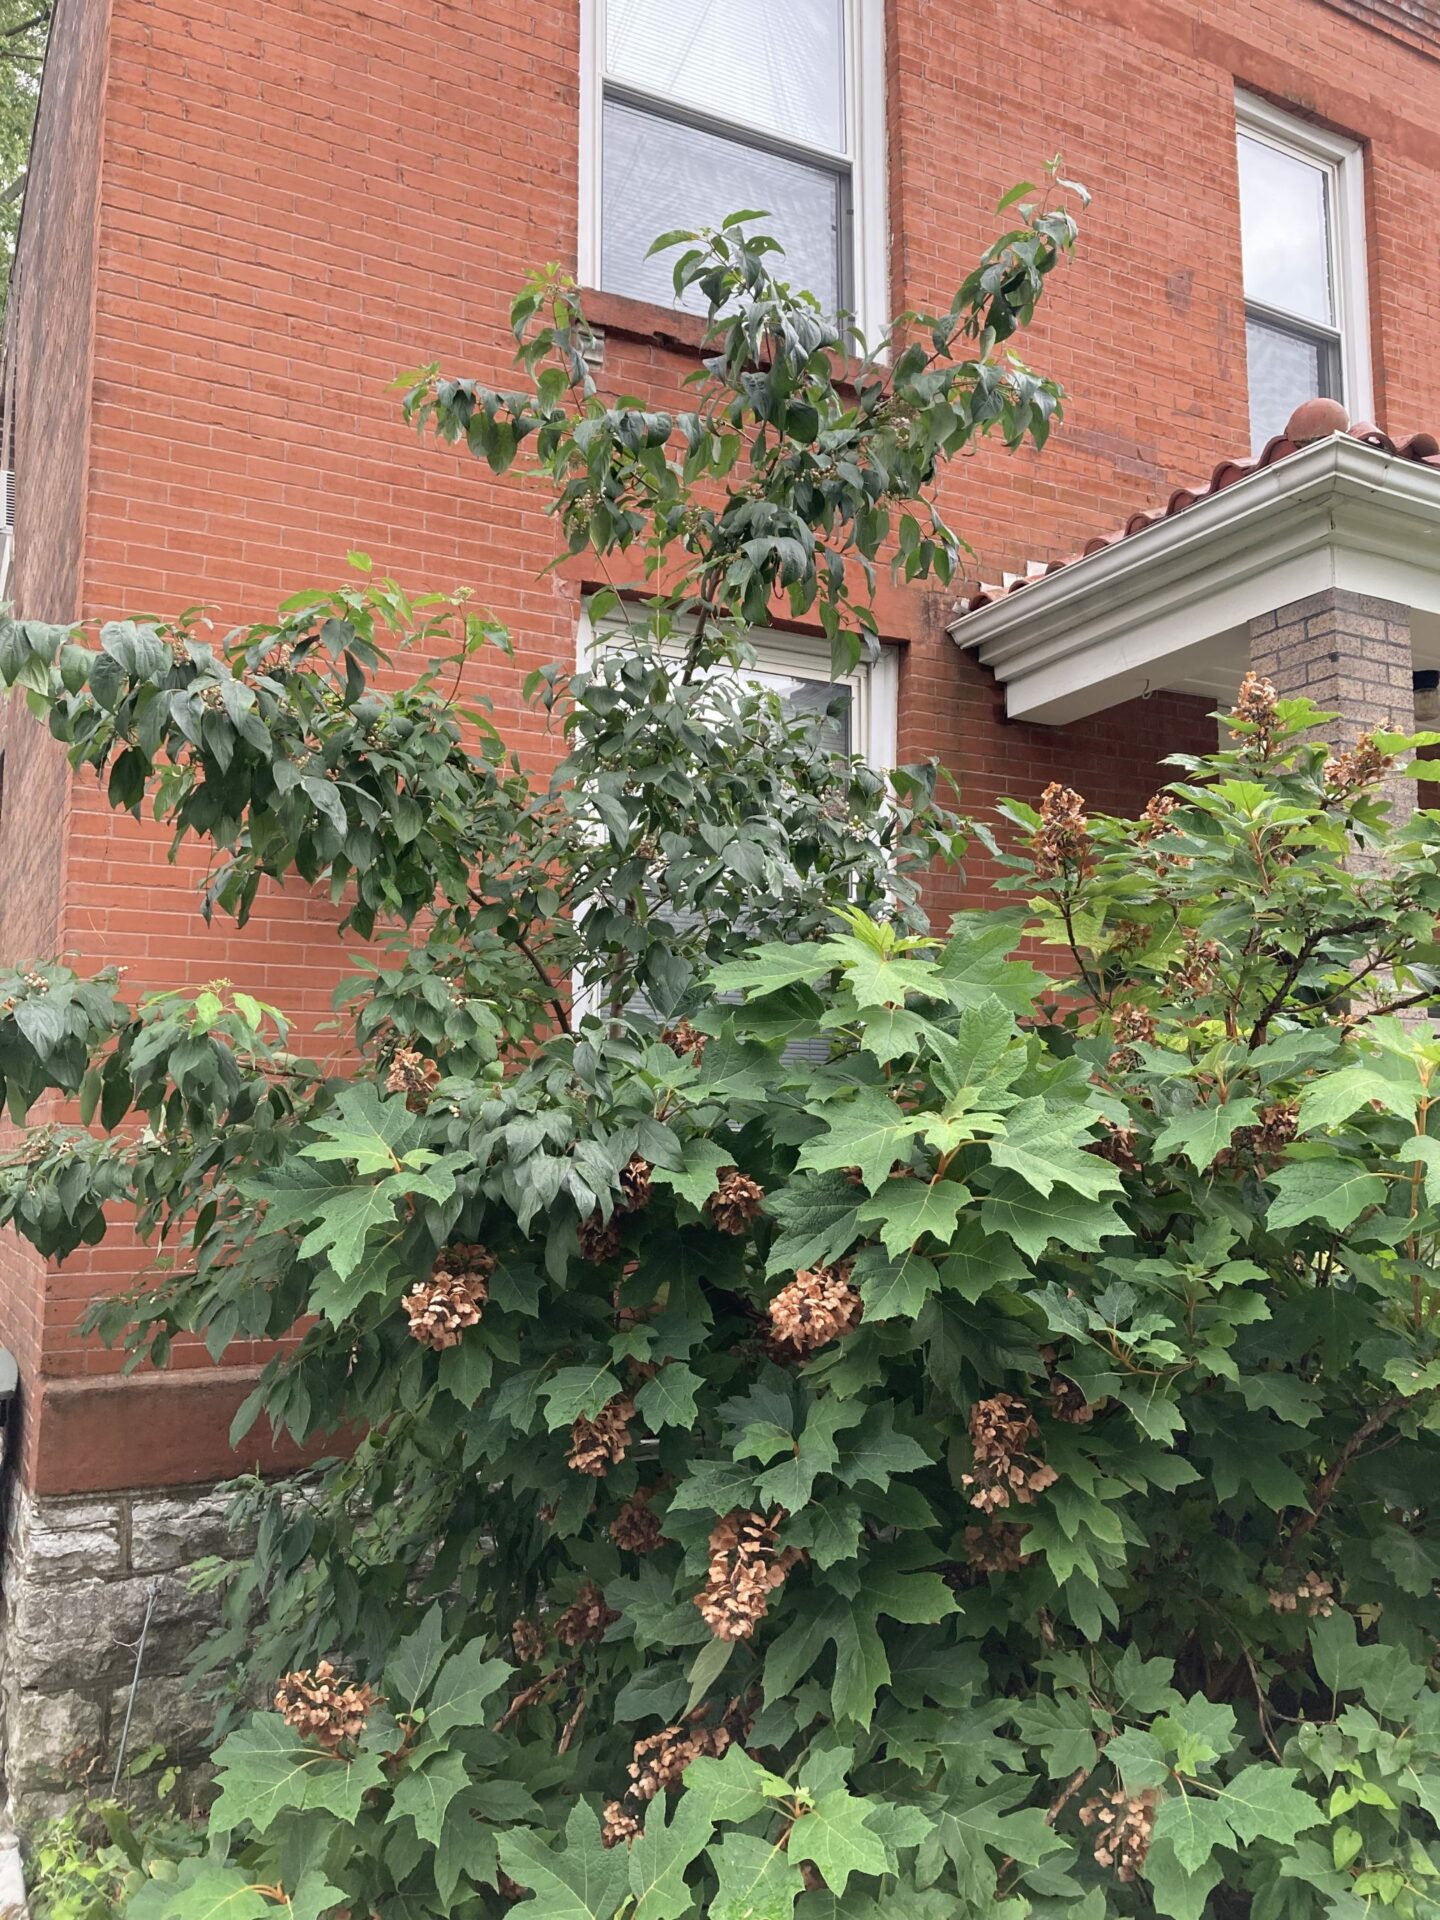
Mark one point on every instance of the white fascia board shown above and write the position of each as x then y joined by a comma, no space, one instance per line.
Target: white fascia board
1336,514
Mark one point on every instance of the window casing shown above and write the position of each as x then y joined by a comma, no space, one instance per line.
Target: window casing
673,137
1302,230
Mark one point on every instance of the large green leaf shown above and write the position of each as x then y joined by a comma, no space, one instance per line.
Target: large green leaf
583,1880
264,1770
833,1834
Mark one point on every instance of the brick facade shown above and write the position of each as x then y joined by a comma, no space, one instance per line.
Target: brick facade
261,214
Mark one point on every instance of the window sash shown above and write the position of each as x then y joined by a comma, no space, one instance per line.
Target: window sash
1342,160
861,167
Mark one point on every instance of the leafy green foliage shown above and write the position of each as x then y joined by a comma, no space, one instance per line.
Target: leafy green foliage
982,1458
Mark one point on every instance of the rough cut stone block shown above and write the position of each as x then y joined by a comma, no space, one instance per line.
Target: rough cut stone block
168,1713
54,1741
167,1532
84,1634
69,1540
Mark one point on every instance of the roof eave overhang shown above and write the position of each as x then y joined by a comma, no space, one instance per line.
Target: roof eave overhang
1129,617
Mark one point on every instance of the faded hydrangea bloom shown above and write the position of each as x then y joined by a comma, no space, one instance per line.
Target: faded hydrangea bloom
597,1445
586,1618
1255,707
1061,843
441,1308
635,1528
736,1201
746,1567
322,1707
1123,1823
818,1306
1007,1466
415,1076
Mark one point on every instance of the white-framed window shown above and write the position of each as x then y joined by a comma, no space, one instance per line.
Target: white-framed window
694,109
796,666
1302,232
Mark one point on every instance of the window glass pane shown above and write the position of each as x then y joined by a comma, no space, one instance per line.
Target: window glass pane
1285,231
659,175
1284,370
814,696
777,64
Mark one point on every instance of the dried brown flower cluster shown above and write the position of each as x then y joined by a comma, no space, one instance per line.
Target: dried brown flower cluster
819,1305
1359,766
441,1308
1256,708
1123,1823
1133,1025
1197,968
1117,1145
660,1759
618,1825
1266,1141
1061,843
415,1076
586,1618
1068,1403
635,1528
1311,1594
997,1547
1156,817
599,1444
322,1707
634,1185
735,1202
1007,1466
527,1637
599,1238
684,1042
746,1567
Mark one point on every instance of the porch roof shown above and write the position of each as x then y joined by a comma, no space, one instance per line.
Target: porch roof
1166,600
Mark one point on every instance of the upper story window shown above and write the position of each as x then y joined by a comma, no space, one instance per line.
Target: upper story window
1302,230
694,109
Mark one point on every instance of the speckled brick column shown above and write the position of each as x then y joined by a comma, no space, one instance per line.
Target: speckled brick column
1350,654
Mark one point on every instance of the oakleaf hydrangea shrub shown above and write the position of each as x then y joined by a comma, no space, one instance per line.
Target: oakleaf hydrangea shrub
845,1416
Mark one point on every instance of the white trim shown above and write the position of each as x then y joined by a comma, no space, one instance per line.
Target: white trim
863,155
1343,161
1167,606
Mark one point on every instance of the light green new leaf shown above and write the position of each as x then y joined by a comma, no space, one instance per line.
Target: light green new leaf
904,1210
1330,1191
833,1835
869,1132
758,1881
264,1771
425,1794
1014,1211
1202,1132
667,1398
660,1854
467,1681
583,1881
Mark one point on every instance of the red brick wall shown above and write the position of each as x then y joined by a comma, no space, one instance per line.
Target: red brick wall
302,199
48,326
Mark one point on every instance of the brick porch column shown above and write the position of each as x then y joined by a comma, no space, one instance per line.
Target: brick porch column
1350,654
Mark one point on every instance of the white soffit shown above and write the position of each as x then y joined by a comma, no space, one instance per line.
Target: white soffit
1168,607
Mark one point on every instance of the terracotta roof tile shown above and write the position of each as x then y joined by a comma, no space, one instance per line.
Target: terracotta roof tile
1314,420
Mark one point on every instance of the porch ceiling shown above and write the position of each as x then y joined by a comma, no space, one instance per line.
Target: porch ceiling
1169,604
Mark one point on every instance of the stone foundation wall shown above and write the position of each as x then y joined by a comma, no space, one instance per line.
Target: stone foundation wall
76,1577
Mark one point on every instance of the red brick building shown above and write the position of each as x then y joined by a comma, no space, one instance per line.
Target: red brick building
243,221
